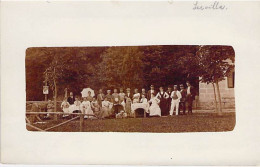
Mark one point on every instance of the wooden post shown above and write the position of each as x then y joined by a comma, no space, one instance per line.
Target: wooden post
55,95
46,96
81,122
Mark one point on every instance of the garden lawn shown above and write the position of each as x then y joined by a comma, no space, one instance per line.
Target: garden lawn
198,122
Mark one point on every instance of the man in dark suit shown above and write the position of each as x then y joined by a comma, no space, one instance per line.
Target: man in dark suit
150,92
183,99
169,100
190,96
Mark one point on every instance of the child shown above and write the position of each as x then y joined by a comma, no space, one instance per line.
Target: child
50,108
143,99
86,108
77,104
65,107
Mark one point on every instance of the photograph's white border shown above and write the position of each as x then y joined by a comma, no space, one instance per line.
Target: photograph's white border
36,24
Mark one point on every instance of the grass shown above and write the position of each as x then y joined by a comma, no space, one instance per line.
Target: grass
198,122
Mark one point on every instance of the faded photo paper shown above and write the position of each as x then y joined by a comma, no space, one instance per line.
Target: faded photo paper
130,83
169,88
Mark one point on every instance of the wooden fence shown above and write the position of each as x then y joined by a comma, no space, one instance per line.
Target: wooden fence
79,115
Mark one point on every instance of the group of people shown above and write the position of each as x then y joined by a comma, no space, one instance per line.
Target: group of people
120,104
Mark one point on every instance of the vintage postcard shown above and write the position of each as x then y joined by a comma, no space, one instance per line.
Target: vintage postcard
130,83
168,88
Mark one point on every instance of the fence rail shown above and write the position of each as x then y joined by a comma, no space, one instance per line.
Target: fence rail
79,115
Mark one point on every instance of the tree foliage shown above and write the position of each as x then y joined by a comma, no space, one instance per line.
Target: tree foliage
215,62
126,66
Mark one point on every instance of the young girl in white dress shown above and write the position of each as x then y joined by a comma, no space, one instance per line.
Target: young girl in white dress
86,108
65,107
154,108
143,99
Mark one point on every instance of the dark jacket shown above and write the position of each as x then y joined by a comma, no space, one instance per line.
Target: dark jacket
183,95
149,94
71,100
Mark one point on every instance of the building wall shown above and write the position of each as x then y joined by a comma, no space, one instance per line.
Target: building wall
206,95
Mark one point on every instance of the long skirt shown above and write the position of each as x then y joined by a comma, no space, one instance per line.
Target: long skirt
155,110
164,107
88,111
128,107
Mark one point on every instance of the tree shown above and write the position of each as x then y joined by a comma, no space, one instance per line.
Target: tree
121,67
53,74
215,65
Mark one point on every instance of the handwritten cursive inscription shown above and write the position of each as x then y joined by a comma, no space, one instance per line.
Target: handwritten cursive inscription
212,6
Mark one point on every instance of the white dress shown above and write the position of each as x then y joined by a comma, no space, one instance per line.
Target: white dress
86,109
75,106
65,106
154,108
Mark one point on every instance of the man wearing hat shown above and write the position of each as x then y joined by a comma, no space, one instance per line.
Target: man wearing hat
190,96
183,99
150,92
176,96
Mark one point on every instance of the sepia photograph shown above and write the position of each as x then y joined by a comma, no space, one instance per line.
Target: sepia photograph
151,83
154,88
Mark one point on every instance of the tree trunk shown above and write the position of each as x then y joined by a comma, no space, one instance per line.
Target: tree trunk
215,99
219,99
55,98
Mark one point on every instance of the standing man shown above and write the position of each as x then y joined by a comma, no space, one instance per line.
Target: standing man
115,100
100,97
176,96
169,100
71,98
150,92
190,96
183,99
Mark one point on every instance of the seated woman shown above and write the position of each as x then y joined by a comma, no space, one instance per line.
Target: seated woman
95,106
86,108
105,110
89,97
154,108
65,107
143,106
